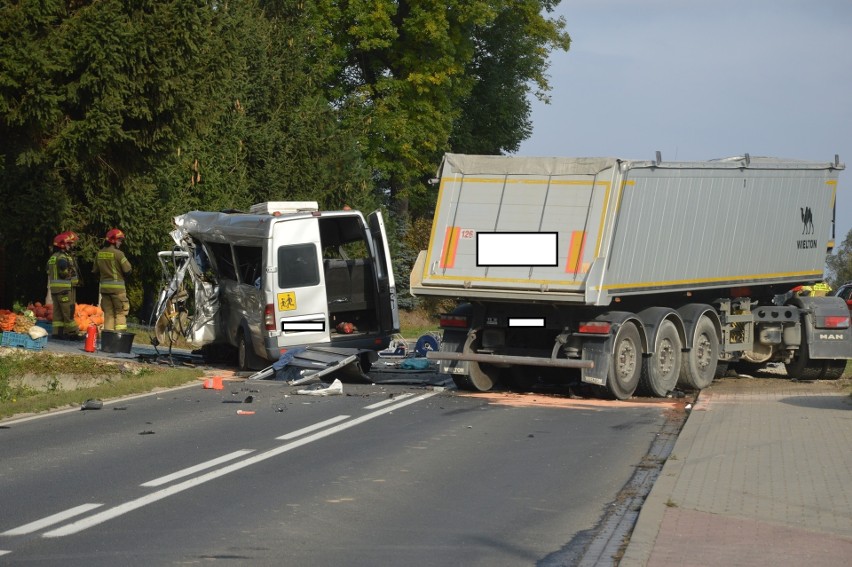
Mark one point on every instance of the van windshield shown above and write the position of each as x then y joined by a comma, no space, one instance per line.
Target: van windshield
297,266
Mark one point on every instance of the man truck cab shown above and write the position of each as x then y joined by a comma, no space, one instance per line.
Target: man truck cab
282,275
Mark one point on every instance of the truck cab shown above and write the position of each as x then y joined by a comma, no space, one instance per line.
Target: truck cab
282,275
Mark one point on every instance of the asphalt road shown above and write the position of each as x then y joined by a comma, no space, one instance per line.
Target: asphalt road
383,474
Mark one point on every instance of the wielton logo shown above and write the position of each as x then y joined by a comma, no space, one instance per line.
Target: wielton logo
807,228
807,220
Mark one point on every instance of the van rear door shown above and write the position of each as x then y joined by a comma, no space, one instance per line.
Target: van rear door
387,307
296,279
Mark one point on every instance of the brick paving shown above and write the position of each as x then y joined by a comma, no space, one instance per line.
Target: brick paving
760,475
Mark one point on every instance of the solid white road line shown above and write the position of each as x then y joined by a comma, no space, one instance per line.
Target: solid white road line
121,509
314,427
4,552
199,467
50,520
388,401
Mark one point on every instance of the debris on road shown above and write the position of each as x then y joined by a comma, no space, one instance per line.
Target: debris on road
323,389
214,383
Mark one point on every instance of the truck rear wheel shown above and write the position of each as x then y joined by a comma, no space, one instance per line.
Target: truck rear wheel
834,369
661,371
803,367
698,367
626,365
482,376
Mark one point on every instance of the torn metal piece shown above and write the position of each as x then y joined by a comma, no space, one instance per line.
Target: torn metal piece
333,389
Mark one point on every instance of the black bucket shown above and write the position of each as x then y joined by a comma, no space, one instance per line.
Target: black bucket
115,341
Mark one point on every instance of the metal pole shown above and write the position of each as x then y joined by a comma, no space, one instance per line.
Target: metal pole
505,359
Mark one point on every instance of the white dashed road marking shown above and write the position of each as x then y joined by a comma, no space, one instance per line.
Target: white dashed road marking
50,520
121,509
197,468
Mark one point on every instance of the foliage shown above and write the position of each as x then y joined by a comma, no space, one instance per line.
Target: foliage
116,113
840,263
509,62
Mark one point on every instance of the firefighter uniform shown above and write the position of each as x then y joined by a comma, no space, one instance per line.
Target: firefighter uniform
111,267
63,280
819,289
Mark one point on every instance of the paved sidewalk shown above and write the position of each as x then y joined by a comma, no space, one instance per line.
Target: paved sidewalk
761,475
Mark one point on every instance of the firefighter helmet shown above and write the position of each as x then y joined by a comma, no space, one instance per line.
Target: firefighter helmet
114,235
65,240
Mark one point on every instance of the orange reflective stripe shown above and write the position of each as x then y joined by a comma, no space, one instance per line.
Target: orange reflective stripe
575,251
451,244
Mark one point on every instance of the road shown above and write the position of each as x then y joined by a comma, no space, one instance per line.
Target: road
383,474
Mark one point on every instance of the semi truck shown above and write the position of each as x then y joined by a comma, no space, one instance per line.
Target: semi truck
282,275
632,275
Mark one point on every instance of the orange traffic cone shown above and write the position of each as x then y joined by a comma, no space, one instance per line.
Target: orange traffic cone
214,383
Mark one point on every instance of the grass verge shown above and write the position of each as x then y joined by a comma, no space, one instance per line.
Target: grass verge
108,380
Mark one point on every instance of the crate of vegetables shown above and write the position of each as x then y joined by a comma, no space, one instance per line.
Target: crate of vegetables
7,320
12,339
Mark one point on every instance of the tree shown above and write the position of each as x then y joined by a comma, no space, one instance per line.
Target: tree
839,264
117,113
420,70
93,96
510,63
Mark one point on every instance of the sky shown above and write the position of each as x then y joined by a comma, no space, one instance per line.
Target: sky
703,79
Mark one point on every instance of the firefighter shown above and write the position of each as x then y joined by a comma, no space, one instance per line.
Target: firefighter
112,266
63,277
818,289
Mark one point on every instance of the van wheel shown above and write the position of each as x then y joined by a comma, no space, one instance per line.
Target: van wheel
242,352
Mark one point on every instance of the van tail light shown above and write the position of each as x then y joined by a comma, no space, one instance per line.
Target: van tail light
594,328
832,322
269,317
454,321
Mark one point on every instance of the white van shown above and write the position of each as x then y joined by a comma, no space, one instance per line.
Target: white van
282,275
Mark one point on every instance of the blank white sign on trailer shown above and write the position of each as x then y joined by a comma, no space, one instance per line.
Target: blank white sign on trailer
516,248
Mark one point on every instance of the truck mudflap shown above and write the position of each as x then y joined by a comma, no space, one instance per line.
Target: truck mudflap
826,321
299,365
599,353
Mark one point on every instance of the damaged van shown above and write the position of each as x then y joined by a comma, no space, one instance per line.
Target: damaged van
282,275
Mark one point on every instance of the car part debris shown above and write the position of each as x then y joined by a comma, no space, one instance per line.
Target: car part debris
322,389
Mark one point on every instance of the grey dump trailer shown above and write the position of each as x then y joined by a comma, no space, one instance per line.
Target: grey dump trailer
632,274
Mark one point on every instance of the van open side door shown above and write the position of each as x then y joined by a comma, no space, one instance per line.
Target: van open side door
387,306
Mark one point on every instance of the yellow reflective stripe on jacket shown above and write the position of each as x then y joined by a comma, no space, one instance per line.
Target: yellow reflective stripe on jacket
56,282
111,264
108,266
